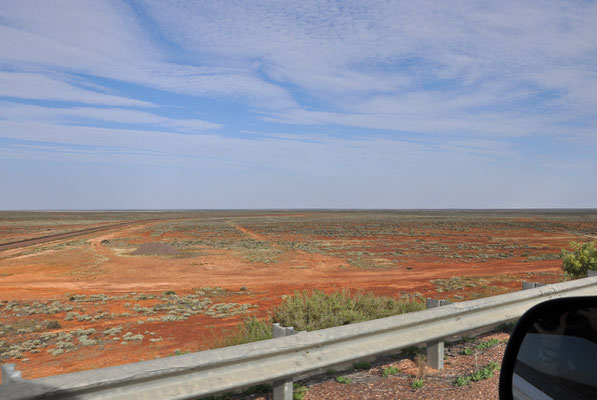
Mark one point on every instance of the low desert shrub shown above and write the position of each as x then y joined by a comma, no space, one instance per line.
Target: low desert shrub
485,372
417,383
319,310
462,381
250,330
53,324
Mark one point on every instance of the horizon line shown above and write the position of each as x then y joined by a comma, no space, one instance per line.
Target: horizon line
299,209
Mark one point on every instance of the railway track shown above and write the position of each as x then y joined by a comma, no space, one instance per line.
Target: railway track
65,235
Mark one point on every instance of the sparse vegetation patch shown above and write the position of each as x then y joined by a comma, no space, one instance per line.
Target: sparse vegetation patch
155,249
318,310
391,370
343,379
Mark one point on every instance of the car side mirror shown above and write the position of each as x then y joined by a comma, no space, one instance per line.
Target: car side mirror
552,352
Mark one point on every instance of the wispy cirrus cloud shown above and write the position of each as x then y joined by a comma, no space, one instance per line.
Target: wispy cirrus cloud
389,94
112,44
38,86
397,66
344,55
28,113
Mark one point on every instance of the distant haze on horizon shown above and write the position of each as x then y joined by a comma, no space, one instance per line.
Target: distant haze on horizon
297,105
557,211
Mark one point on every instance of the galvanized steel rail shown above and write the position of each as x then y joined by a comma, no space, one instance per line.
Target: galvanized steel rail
210,372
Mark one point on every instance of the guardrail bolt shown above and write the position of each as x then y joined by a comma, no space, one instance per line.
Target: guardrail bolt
282,389
10,373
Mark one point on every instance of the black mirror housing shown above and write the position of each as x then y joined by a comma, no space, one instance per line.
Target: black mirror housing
552,352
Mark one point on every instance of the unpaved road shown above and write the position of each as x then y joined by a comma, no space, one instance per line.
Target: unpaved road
66,235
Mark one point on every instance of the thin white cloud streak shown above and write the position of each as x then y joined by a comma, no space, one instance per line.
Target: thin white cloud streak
84,155
480,147
185,145
25,113
223,82
480,124
41,87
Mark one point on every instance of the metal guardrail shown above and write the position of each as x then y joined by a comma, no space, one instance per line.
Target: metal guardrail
215,371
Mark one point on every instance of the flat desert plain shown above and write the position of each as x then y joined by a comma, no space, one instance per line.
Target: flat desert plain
146,285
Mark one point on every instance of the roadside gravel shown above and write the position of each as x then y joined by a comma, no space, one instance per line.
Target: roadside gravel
371,384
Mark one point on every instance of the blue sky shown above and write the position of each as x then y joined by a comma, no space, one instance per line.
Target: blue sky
285,104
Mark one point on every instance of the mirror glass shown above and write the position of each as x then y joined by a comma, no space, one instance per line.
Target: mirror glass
558,356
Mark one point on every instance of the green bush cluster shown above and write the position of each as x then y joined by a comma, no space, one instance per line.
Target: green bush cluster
485,372
250,330
581,259
391,370
343,379
417,383
318,310
462,381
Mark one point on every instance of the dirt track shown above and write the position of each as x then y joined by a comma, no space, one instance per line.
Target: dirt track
60,236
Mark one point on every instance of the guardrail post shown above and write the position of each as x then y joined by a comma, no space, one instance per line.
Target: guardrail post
282,389
10,373
435,349
531,285
527,285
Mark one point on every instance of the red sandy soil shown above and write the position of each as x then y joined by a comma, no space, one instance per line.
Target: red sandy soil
95,268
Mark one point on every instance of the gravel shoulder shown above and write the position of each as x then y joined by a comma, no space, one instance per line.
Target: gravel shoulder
462,360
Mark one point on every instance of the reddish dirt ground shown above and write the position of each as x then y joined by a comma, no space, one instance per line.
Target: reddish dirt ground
268,256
